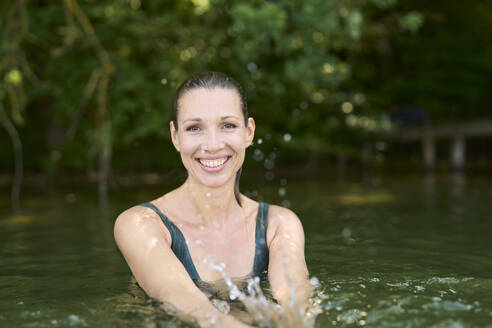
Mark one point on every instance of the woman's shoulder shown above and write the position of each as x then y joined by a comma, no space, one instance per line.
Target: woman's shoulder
139,218
279,214
282,220
134,216
145,209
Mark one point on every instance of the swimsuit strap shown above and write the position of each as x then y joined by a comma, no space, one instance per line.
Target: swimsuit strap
178,243
260,266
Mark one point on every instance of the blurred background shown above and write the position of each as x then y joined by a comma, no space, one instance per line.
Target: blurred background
373,122
86,87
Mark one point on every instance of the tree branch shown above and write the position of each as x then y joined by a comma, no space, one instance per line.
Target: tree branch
17,147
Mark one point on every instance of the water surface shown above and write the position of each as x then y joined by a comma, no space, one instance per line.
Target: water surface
388,252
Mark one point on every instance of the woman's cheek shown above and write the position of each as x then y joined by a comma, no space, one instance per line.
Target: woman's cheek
189,145
238,141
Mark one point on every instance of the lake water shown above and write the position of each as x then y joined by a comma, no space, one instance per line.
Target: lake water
388,252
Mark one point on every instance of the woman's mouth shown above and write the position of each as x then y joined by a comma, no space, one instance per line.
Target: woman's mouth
213,165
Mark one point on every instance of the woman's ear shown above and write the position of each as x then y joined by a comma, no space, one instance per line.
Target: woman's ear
174,135
250,131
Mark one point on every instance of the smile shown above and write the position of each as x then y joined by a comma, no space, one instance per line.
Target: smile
213,163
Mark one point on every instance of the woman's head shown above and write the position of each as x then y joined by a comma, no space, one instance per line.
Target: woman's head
209,80
211,129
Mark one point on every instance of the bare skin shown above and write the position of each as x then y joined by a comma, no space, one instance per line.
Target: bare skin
212,138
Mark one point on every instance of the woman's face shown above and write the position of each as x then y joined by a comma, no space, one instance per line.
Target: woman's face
211,135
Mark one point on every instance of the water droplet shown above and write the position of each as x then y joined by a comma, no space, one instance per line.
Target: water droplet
75,320
202,228
282,192
258,155
208,194
164,81
380,145
269,164
259,141
314,281
286,203
283,182
252,67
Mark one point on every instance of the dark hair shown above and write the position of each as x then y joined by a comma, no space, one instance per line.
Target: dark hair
212,80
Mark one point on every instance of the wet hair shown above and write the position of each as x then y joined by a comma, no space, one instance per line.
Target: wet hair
212,80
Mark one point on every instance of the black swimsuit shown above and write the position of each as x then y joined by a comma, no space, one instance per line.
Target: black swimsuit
180,249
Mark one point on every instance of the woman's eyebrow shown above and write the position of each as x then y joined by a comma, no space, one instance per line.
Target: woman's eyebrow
229,116
192,119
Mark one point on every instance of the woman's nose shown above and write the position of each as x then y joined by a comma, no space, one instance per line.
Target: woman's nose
213,142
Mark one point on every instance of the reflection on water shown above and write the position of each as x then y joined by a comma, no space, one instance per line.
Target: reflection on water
412,252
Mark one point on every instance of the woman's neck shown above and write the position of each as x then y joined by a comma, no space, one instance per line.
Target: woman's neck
212,206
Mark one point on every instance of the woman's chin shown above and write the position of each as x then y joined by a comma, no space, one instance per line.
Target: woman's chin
215,182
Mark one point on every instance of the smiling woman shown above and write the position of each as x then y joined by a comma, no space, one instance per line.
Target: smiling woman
180,245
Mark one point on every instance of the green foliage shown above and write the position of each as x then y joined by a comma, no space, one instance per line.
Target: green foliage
441,65
294,58
412,21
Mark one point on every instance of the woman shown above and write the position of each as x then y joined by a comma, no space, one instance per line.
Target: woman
171,242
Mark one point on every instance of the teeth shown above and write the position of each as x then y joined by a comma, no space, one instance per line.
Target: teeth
213,163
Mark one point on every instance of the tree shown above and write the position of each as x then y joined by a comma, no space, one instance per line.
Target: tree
95,78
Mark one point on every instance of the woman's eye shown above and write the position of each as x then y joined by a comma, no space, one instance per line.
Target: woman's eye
230,125
193,128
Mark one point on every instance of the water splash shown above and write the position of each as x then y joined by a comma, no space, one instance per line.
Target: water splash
263,310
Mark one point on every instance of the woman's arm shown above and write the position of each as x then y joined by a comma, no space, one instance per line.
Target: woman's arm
287,270
145,243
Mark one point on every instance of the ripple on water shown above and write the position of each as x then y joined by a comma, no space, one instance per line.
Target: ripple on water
411,303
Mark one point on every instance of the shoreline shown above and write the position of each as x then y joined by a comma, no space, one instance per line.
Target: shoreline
178,174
